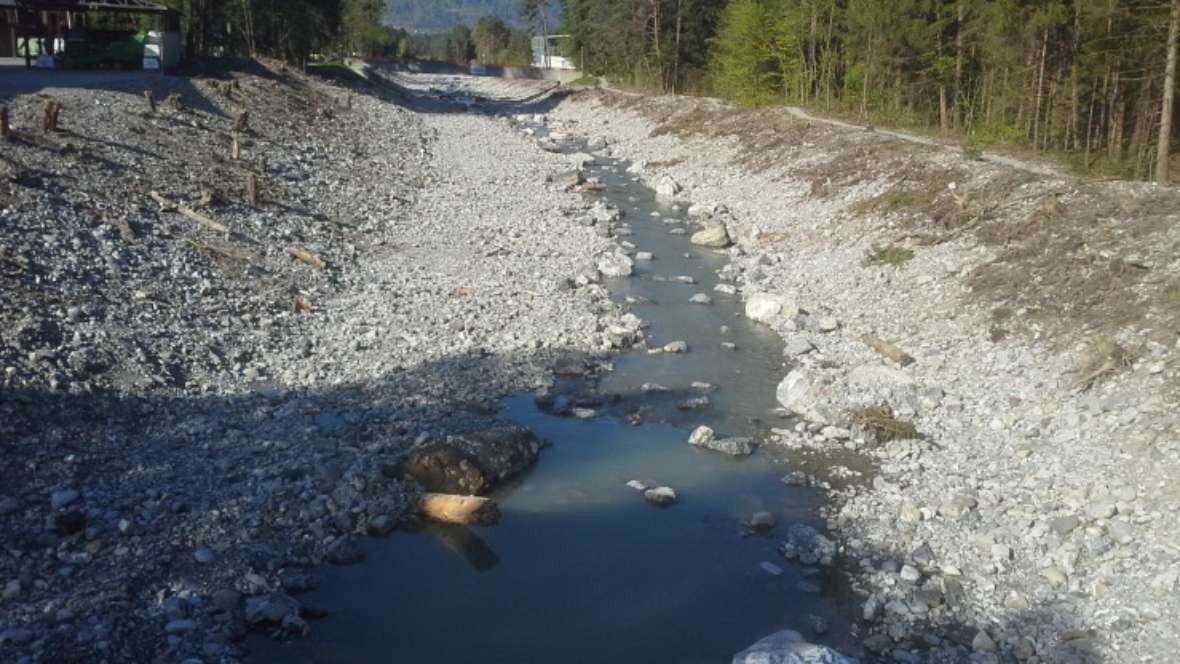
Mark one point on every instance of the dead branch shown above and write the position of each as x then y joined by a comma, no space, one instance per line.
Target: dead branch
167,205
887,349
307,257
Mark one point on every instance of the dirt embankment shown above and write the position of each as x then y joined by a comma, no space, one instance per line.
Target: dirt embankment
1033,516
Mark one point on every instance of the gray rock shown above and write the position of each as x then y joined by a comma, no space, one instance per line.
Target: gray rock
661,496
204,555
809,394
789,647
182,626
344,551
700,298
676,347
60,499
762,521
473,462
667,188
796,346
615,264
270,609
738,446
1064,525
807,545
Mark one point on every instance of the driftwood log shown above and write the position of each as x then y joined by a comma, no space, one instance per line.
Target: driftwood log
307,257
463,510
888,350
169,205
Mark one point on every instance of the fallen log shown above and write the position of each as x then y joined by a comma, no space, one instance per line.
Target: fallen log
888,350
463,510
168,205
307,257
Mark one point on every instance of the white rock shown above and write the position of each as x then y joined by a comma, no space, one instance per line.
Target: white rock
788,647
700,435
716,236
767,308
615,264
667,188
808,394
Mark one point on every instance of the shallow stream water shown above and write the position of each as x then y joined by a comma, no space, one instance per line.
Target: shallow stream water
581,568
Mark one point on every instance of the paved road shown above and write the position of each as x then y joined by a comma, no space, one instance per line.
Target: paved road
16,80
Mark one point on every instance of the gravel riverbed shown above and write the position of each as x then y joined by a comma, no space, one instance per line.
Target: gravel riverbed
1032,516
193,419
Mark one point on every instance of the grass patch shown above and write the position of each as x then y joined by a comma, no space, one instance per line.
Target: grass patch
890,254
883,424
586,81
972,153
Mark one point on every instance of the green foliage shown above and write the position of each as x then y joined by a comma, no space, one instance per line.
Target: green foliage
743,60
883,424
888,255
1080,77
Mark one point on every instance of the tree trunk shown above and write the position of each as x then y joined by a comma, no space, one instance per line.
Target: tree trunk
1163,147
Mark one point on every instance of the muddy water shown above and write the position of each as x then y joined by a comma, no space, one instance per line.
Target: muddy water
581,569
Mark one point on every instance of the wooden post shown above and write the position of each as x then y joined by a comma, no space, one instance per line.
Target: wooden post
252,190
50,119
463,510
235,150
151,101
5,130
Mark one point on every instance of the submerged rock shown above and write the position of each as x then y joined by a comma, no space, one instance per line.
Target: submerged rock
789,647
473,462
615,264
661,496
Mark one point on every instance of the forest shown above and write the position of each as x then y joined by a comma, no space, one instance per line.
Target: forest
1092,80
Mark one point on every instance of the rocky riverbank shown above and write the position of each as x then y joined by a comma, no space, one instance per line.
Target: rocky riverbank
205,398
1025,444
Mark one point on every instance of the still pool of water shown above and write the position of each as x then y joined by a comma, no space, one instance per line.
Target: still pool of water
581,568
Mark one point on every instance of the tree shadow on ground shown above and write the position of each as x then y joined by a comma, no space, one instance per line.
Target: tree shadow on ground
161,474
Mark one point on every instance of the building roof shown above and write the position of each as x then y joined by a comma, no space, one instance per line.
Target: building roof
123,6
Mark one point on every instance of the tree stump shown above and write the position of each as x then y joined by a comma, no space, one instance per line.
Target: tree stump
52,115
252,190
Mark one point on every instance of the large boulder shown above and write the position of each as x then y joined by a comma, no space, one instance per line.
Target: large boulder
615,264
769,308
472,463
788,647
713,235
810,394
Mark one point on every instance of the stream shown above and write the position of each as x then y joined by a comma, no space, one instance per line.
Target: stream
582,568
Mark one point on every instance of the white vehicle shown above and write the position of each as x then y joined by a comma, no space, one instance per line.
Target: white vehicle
545,52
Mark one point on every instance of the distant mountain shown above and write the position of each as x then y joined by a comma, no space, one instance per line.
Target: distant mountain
442,15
